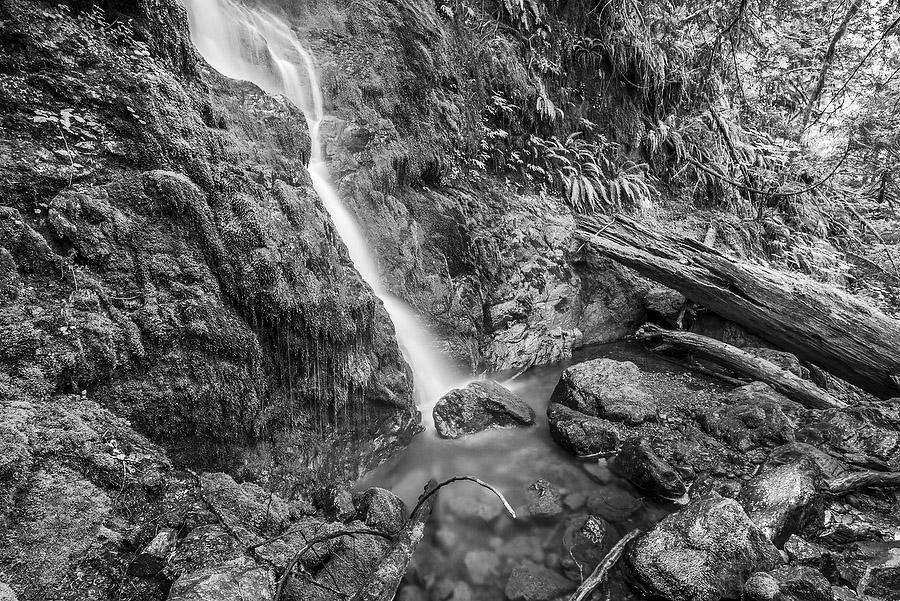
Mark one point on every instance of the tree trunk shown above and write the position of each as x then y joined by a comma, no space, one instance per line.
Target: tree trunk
383,583
816,322
797,389
827,61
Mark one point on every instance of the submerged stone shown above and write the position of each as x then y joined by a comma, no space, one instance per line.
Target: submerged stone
480,406
533,582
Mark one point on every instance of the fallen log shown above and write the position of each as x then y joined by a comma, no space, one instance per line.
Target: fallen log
384,581
861,480
795,388
602,570
816,322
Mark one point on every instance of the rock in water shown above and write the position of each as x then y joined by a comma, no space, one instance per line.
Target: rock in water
581,434
703,552
544,499
480,406
784,499
237,579
532,582
638,464
606,388
788,583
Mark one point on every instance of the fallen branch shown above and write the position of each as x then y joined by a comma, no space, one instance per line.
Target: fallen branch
384,581
282,582
481,483
602,570
797,389
860,480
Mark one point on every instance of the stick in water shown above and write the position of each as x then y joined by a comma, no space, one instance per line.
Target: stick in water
481,483
602,570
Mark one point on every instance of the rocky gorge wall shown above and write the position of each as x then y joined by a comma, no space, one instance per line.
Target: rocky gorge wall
165,256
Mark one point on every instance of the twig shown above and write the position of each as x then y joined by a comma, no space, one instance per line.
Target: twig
319,539
602,570
481,483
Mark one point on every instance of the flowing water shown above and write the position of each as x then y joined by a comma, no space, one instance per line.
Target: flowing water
253,45
472,547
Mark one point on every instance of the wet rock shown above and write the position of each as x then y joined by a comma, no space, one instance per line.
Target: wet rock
704,552
237,579
480,406
482,566
582,543
753,415
614,504
788,583
574,501
637,463
783,500
154,557
873,568
862,431
581,434
532,582
246,503
204,547
6,593
665,303
803,552
381,509
606,388
337,502
544,499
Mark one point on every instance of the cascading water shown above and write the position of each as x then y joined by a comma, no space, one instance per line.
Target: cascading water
253,45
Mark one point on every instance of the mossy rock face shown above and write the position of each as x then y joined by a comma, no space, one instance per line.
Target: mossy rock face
163,250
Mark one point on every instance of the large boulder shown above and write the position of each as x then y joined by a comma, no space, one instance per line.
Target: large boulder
638,464
581,434
479,406
606,388
784,499
704,552
753,415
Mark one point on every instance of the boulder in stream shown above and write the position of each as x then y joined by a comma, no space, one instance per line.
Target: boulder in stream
581,434
480,406
704,552
640,465
606,388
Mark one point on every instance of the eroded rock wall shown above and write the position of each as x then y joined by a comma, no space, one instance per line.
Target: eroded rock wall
163,253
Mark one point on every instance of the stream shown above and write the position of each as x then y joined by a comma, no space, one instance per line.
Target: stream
472,545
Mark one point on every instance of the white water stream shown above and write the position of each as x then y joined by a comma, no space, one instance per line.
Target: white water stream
253,45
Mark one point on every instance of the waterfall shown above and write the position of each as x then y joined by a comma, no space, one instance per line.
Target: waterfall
254,45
